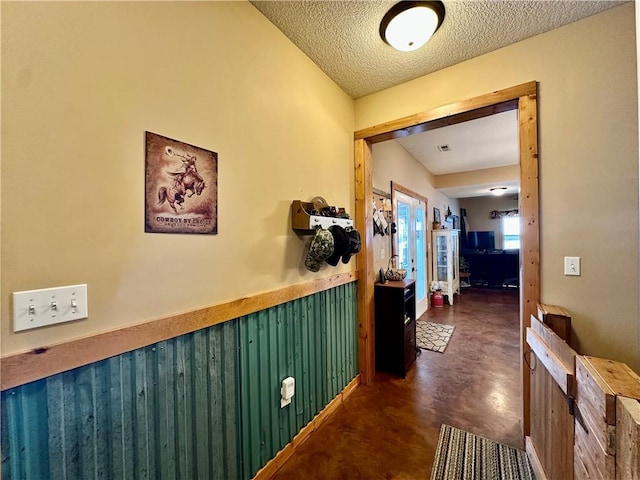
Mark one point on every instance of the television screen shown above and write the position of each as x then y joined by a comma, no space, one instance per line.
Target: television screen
481,240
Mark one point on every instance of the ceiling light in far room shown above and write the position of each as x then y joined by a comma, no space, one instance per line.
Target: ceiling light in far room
409,25
498,191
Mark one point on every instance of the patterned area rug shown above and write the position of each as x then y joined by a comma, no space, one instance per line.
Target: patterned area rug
433,336
464,456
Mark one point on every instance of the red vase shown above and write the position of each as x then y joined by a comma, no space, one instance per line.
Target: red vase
437,299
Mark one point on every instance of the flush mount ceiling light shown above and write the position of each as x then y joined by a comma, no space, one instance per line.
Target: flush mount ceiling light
409,25
498,191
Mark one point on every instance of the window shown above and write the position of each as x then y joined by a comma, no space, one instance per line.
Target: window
511,232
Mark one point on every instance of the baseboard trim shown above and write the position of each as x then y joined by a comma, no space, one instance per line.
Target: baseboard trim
283,455
534,460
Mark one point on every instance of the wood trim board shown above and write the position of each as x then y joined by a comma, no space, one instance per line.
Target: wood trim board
617,376
522,97
396,187
450,114
528,205
364,260
627,439
381,193
565,354
590,460
536,465
562,375
558,319
18,369
552,426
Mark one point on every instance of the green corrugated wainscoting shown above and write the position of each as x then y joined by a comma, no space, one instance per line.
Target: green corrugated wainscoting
202,405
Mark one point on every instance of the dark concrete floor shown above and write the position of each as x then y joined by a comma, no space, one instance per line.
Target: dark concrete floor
389,430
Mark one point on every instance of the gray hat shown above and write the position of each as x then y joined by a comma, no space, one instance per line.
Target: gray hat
320,249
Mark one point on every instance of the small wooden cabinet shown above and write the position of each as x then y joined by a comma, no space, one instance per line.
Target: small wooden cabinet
395,316
446,261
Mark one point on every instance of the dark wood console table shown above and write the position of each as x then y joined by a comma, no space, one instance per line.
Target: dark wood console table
395,311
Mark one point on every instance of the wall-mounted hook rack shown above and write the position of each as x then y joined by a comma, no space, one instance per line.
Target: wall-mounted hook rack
301,219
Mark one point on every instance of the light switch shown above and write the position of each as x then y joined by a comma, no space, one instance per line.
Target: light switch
572,265
48,306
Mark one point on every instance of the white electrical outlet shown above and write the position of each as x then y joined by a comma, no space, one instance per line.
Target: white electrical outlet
48,306
287,390
572,265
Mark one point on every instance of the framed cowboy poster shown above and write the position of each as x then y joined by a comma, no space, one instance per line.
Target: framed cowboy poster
181,187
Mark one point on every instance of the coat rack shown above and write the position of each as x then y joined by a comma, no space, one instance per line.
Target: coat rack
302,220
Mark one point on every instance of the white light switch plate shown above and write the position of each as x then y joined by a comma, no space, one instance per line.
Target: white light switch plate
572,265
48,306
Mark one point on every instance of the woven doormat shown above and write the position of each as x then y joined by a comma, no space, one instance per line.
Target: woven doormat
433,336
462,455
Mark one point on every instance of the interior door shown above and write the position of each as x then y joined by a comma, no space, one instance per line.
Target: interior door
410,244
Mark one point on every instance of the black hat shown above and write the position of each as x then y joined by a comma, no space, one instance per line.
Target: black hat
354,244
340,244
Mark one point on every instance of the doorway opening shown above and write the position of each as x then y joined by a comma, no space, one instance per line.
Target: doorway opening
410,240
522,98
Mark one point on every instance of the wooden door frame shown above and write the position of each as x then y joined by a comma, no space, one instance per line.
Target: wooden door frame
397,188
522,97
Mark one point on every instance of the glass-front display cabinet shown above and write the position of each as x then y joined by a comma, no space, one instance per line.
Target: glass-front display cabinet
446,261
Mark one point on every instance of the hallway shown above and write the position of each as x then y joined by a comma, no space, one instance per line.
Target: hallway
389,430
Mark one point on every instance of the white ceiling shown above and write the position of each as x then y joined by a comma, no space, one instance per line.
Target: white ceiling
487,142
342,38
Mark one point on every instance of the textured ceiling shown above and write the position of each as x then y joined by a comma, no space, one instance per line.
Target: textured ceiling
342,37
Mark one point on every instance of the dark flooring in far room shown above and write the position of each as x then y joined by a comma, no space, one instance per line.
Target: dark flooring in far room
389,430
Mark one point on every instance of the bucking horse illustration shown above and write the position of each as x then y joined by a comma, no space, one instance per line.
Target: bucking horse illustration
183,184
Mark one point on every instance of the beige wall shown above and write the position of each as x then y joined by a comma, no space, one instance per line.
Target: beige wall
485,176
82,81
391,162
478,213
588,133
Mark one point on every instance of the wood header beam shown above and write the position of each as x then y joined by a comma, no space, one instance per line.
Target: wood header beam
451,114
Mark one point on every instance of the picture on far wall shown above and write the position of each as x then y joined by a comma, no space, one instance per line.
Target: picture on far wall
181,187
436,214
456,222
